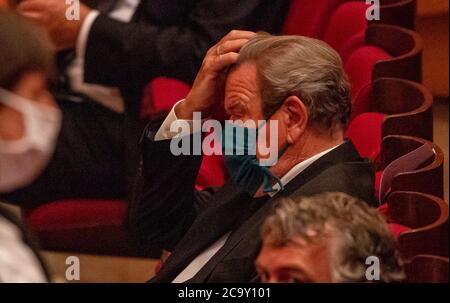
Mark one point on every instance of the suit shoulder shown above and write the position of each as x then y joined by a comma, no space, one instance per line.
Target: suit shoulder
354,178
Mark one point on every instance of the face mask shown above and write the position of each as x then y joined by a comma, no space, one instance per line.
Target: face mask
22,160
239,150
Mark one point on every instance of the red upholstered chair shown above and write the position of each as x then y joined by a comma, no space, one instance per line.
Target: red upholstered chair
161,94
83,226
425,218
405,46
390,52
427,269
365,132
428,178
309,18
347,27
359,68
391,107
407,106
406,163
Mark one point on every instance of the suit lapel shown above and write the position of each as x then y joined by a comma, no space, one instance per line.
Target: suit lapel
207,228
254,221
344,153
216,221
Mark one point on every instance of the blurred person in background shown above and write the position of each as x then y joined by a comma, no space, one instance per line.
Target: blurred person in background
29,125
326,238
30,119
104,61
20,261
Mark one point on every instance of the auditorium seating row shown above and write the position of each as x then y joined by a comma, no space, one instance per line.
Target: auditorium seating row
392,124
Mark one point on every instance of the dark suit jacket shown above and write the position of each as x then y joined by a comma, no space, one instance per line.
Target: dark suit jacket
168,213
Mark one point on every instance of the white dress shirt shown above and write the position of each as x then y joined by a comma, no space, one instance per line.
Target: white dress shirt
194,267
107,96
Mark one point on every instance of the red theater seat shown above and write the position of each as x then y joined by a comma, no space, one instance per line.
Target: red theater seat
85,226
212,172
389,52
427,178
346,29
359,67
390,106
406,104
426,216
309,18
365,132
397,229
405,47
161,94
408,162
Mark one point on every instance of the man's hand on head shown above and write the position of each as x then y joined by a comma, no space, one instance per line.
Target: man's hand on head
51,16
208,88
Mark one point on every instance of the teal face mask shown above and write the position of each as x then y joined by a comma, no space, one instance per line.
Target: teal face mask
239,150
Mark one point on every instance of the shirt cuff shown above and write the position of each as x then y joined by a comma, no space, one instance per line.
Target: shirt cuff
84,33
164,132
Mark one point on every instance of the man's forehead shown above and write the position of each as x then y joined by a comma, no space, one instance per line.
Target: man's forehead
243,74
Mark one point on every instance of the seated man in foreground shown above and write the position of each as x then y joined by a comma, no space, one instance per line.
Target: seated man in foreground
295,83
330,237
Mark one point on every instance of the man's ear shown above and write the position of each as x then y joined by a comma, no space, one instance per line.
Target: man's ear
296,118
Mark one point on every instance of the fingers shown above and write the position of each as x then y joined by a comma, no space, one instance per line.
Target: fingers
232,42
225,60
237,34
231,46
225,53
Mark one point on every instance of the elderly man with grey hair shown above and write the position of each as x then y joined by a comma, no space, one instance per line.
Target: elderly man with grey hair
287,92
330,237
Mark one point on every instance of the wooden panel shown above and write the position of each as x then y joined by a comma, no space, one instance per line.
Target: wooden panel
434,31
432,7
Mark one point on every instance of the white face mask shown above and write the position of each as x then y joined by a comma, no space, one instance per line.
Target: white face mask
22,160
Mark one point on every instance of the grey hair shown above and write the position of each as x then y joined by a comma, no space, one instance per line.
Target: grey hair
304,67
357,232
